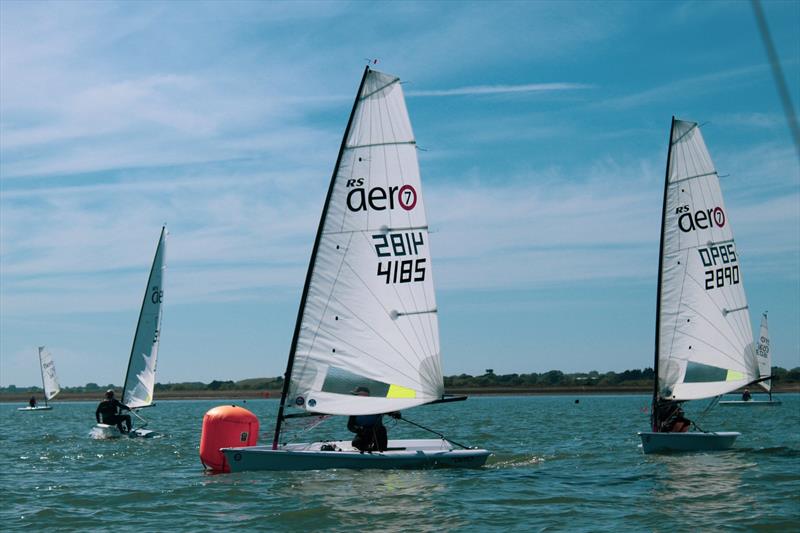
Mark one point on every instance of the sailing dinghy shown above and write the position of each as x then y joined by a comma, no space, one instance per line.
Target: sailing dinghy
49,381
704,339
367,318
764,369
140,380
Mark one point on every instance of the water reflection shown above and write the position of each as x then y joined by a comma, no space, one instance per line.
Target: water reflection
357,498
692,489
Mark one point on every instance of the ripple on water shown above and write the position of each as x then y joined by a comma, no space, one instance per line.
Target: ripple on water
555,467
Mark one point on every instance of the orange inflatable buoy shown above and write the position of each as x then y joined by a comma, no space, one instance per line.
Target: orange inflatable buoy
226,426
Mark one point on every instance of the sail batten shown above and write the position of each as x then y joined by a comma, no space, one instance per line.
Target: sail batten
371,266
140,378
695,177
356,147
705,341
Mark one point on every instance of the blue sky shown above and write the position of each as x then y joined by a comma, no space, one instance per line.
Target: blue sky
544,134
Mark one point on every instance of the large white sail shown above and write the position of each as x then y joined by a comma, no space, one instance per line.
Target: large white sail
763,355
49,379
705,339
369,318
141,377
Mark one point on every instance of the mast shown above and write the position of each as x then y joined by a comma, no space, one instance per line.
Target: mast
141,310
41,369
654,415
290,363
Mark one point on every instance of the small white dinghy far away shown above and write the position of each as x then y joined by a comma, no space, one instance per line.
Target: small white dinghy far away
367,319
764,358
704,339
50,384
140,379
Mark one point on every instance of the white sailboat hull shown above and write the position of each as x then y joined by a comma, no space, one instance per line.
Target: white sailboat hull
755,403
402,454
37,408
693,441
106,431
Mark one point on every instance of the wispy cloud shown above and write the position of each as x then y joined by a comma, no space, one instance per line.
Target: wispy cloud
235,236
688,87
481,90
545,122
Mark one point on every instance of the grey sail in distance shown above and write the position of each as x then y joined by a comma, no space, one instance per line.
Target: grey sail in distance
49,379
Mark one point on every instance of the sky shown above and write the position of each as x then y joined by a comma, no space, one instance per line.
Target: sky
542,130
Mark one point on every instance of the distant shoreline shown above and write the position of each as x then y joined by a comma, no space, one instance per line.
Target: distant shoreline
249,394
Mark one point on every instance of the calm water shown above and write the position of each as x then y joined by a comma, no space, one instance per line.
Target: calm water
557,466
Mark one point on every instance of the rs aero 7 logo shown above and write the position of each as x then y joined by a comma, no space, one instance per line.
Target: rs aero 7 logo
700,219
379,198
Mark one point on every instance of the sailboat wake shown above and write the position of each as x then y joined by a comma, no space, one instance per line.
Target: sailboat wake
513,460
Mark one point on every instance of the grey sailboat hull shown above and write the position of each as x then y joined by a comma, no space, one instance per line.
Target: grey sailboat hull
754,403
402,454
693,441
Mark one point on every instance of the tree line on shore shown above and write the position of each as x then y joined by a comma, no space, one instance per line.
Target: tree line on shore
552,379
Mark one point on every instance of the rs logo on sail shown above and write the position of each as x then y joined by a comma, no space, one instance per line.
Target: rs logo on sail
700,219
379,198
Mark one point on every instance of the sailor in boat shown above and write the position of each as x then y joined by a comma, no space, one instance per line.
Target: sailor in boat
32,401
746,397
370,432
109,412
673,419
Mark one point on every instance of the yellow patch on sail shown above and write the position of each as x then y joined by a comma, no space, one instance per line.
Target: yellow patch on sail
733,375
396,391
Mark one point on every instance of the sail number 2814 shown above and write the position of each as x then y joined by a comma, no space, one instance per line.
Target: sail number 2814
721,265
400,249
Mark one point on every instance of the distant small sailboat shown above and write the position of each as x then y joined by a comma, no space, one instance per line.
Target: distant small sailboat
704,338
140,380
49,381
764,358
367,322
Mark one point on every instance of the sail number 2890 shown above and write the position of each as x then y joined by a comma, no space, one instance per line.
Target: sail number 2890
400,248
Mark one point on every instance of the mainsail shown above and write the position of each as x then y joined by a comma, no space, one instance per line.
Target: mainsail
704,344
49,379
763,355
141,377
368,314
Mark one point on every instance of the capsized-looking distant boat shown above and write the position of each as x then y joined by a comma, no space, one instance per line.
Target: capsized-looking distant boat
704,339
764,369
368,318
140,380
49,381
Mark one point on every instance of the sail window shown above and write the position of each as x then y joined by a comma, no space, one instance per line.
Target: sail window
701,373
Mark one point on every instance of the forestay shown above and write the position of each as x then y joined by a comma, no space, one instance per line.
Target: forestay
141,376
705,336
763,355
369,318
49,379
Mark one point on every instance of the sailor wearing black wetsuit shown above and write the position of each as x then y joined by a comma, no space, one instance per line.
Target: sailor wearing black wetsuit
369,429
109,412
370,433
